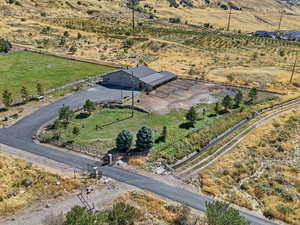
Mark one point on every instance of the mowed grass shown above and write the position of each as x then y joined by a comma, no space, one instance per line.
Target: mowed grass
27,69
112,121
117,120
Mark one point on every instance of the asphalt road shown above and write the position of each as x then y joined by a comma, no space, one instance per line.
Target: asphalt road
20,136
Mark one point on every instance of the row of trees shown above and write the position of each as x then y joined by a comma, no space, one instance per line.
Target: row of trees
218,213
144,140
7,96
227,102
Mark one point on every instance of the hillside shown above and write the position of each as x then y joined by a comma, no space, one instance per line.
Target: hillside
197,46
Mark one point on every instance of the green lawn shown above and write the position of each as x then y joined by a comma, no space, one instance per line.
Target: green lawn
27,69
104,139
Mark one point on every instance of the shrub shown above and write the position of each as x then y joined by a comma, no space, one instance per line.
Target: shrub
220,213
122,213
128,43
268,213
5,45
89,106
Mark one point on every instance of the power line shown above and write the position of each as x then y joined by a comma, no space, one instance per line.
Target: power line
133,18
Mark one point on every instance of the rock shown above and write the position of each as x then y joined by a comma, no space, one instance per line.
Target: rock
27,182
47,206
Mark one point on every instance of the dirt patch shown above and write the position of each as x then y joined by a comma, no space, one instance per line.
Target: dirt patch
181,94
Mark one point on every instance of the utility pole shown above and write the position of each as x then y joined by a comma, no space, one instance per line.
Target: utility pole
280,21
294,68
229,19
133,18
132,96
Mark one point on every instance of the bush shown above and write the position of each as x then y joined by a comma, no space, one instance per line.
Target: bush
174,20
5,45
220,213
122,213
268,213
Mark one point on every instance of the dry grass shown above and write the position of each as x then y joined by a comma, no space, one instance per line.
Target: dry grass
21,183
210,57
262,172
154,210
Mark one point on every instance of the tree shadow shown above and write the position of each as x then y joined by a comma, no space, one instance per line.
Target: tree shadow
212,115
3,110
82,116
186,125
223,111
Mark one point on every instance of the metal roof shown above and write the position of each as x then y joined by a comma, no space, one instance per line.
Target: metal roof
158,78
147,75
139,71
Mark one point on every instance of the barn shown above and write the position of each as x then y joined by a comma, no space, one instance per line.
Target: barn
139,77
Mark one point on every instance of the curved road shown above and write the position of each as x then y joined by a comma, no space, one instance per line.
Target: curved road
20,136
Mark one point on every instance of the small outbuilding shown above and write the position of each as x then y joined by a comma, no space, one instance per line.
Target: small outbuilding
140,77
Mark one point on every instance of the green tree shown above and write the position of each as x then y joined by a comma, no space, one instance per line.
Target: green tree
76,131
89,106
227,102
253,94
79,216
144,139
7,98
124,140
39,89
192,115
220,213
238,98
24,94
65,114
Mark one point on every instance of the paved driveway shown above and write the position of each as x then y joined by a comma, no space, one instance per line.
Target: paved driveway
29,125
20,136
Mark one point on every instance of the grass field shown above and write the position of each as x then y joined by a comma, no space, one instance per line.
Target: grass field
182,139
27,69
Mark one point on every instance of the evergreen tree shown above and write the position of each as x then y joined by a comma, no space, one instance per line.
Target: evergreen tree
252,94
227,102
7,98
192,115
219,213
238,98
124,140
39,89
89,106
25,94
144,139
